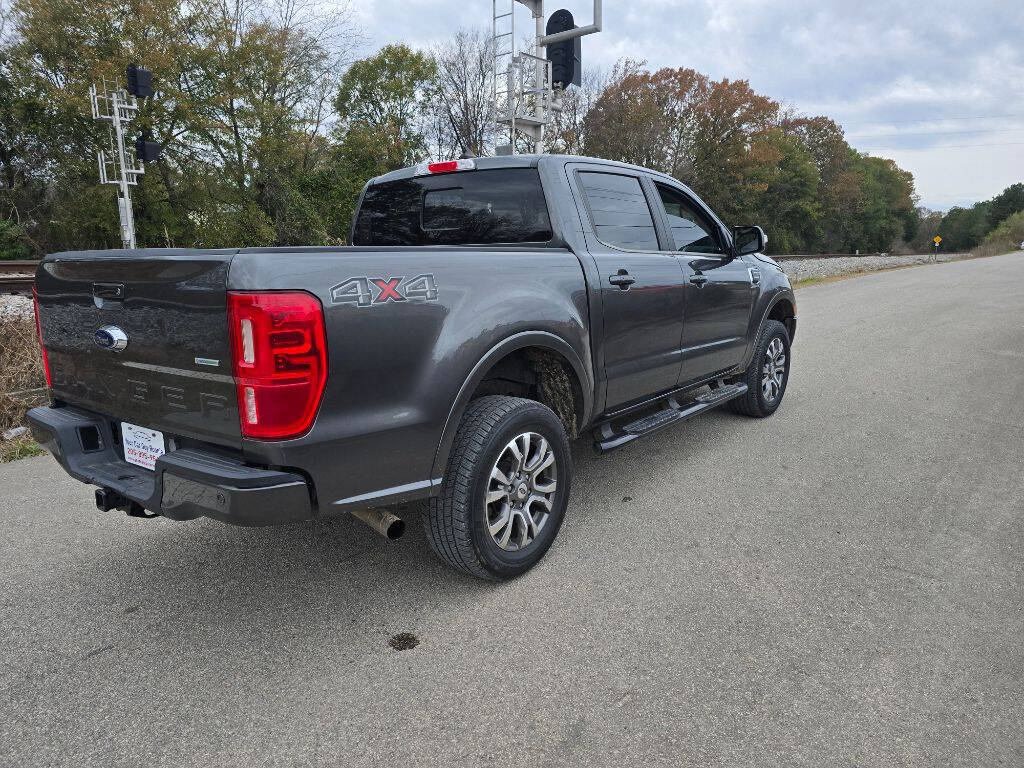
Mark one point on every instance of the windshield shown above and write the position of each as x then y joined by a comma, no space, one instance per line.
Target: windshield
466,208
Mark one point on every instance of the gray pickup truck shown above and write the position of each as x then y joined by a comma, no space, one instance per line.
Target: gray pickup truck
488,312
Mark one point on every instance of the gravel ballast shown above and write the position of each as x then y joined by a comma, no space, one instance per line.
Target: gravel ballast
15,306
810,267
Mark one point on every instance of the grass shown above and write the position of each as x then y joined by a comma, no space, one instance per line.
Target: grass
19,448
809,281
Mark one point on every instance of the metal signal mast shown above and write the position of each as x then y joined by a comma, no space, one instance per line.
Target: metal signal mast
120,164
526,89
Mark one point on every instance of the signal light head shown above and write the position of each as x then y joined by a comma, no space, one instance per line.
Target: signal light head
140,81
147,151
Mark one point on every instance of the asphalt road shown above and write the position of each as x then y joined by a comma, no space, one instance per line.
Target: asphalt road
838,585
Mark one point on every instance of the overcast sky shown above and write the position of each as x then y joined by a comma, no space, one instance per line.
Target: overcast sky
938,86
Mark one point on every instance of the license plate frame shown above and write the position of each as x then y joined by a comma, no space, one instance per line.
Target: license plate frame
142,446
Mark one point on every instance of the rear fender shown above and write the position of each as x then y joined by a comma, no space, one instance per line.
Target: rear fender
496,353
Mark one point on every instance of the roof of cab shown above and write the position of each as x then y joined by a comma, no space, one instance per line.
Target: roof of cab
515,161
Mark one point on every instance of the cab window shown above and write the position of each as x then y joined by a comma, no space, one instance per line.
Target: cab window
691,231
467,208
619,211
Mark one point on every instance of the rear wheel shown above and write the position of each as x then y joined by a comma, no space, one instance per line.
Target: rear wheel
768,374
505,489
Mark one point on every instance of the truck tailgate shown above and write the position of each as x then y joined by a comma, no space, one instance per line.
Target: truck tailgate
174,373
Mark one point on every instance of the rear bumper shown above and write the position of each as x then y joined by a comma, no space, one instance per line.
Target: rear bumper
186,483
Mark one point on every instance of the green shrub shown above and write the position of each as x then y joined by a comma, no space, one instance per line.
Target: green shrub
1006,237
13,243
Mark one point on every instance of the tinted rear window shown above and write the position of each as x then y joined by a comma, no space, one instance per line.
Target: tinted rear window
466,208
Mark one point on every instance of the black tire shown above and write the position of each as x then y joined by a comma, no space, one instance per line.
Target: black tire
456,520
754,403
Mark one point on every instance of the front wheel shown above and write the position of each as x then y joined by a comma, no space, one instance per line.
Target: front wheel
505,489
768,373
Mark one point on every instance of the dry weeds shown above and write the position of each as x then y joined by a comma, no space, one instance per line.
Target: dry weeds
21,382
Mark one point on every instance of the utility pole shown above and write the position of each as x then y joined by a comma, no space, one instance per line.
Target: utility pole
525,94
120,165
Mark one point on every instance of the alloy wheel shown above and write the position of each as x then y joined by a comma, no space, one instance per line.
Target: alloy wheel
774,370
521,491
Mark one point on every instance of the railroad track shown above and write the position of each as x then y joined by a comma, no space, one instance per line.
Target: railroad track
17,285
18,267
16,277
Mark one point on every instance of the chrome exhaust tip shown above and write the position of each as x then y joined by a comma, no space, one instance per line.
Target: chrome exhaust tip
390,526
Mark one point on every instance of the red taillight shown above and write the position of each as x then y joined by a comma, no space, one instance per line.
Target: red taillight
39,335
279,357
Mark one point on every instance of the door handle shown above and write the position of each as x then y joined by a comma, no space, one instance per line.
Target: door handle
623,279
698,280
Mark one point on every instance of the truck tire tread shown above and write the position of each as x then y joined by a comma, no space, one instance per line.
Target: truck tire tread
750,404
448,519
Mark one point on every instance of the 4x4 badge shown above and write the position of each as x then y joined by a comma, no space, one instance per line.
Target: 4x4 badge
370,291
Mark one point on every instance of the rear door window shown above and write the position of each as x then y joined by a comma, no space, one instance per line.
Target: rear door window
619,211
467,208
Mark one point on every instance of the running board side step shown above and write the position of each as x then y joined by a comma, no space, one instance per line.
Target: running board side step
614,435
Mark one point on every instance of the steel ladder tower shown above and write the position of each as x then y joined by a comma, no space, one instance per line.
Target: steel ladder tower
116,107
523,94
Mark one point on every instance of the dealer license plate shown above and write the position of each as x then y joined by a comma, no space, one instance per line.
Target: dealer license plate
142,446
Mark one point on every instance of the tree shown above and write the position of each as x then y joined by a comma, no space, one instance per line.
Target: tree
381,102
1005,204
883,204
243,94
381,99
750,161
259,87
459,98
965,228
824,140
568,134
930,225
13,244
268,135
1008,236
785,183
727,120
633,98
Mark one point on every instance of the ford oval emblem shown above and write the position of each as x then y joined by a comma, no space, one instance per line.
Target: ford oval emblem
111,337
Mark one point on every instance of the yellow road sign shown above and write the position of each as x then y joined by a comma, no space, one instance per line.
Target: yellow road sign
936,239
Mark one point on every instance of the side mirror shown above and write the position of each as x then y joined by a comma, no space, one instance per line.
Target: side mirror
748,240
